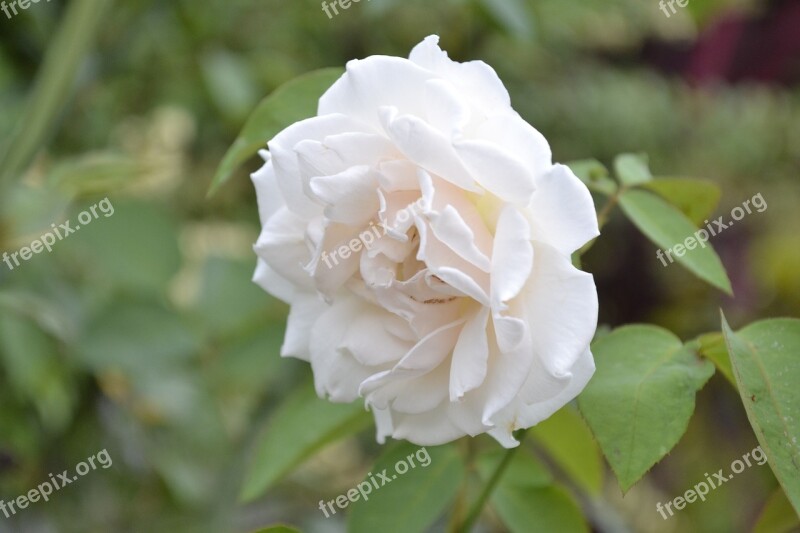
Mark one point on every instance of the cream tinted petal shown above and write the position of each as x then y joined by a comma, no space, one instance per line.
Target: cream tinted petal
516,136
453,231
306,309
398,175
282,246
512,257
475,79
562,211
464,277
350,197
337,374
560,332
505,378
285,162
272,282
446,110
522,415
426,146
374,82
426,429
470,356
358,148
421,394
383,424
334,261
268,194
497,170
369,341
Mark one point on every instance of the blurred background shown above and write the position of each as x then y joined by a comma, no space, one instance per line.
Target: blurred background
143,334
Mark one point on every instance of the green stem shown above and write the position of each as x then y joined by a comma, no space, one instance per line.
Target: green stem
602,217
480,503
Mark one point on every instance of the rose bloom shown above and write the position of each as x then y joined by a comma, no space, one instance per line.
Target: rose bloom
422,236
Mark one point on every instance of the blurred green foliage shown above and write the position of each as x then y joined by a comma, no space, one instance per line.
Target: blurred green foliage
142,334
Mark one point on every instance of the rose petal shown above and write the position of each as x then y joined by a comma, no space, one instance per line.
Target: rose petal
512,257
267,192
426,146
497,171
351,196
560,332
374,82
284,157
475,79
306,309
562,211
282,246
337,374
468,367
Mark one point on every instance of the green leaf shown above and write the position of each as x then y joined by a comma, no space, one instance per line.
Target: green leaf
294,101
569,442
640,400
766,363
632,169
48,315
138,339
227,303
299,428
712,347
777,515
669,228
412,500
594,175
527,501
513,15
696,198
34,370
148,260
54,80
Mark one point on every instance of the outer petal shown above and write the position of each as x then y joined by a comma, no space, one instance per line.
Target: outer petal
268,193
517,137
351,196
272,282
375,82
521,415
306,309
561,307
426,429
285,161
497,171
512,257
470,356
475,79
282,246
426,146
562,211
337,374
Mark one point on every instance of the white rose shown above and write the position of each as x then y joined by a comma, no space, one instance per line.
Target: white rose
422,236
